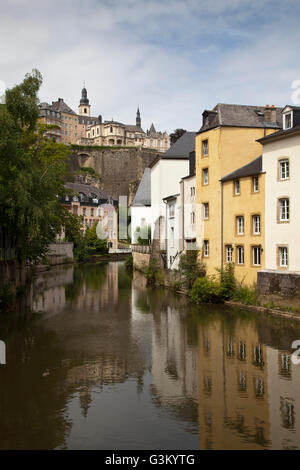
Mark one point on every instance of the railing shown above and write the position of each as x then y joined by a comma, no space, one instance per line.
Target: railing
145,249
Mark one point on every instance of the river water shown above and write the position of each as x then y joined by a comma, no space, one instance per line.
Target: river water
100,361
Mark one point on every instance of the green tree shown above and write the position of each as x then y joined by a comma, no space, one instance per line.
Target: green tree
32,174
191,266
94,243
74,234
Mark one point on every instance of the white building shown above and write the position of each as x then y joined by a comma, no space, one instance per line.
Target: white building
281,163
166,174
188,206
173,229
140,209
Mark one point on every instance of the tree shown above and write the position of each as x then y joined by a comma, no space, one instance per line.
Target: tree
176,135
191,266
94,243
32,174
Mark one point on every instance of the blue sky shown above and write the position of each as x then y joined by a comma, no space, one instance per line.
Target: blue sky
173,58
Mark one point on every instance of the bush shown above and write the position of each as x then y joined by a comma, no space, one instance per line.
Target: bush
129,263
191,267
227,280
152,272
207,289
87,169
245,294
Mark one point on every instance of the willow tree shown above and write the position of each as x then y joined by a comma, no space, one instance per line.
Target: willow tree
32,175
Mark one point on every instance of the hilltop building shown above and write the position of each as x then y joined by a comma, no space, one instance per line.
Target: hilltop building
84,129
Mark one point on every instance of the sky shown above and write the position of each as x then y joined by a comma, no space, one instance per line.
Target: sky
172,58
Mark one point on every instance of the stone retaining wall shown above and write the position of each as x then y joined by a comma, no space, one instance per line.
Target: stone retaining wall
285,284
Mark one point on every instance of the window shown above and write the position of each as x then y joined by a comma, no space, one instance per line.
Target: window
288,121
205,248
205,176
172,210
84,211
256,252
192,217
92,212
172,237
111,130
256,224
237,187
240,225
255,184
192,191
284,169
240,255
205,210
284,210
228,250
204,148
283,256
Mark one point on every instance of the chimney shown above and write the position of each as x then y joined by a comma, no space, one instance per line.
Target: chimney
100,119
270,114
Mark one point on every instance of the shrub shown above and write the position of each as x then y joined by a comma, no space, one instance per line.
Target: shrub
191,267
129,263
152,270
176,285
245,294
87,169
207,289
227,280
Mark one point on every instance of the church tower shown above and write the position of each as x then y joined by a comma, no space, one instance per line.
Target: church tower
84,106
138,118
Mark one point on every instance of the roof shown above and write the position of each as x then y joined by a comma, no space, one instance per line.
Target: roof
143,194
252,168
133,128
279,135
61,106
86,189
182,147
236,115
171,198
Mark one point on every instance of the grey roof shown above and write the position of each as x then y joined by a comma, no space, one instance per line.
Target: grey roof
143,194
86,189
61,106
239,116
182,147
279,134
251,169
133,128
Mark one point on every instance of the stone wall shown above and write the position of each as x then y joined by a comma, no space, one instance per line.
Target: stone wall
60,253
120,169
285,284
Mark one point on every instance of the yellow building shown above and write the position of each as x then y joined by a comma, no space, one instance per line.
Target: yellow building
242,224
225,142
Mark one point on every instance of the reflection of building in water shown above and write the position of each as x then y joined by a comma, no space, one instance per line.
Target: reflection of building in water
48,294
284,386
174,363
233,392
92,296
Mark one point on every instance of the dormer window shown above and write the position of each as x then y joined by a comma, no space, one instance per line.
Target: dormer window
287,121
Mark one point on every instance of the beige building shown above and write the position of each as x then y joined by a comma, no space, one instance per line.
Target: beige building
93,206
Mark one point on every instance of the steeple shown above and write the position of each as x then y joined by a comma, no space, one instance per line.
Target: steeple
138,118
84,104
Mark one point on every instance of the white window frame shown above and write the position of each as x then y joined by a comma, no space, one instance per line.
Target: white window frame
255,184
284,169
205,176
206,248
283,256
229,251
256,253
205,147
284,209
240,227
286,115
240,254
256,224
205,210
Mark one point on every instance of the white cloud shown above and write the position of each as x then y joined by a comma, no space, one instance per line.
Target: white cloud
174,58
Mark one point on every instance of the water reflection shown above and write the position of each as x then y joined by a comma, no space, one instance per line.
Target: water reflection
102,361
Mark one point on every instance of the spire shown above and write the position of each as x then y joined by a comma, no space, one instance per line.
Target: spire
138,118
84,98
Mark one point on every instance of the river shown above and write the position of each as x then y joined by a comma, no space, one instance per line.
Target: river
99,361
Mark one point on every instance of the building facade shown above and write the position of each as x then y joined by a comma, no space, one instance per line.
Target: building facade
281,164
226,141
242,221
140,209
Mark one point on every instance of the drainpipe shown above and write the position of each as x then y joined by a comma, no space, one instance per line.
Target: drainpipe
222,208
166,233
